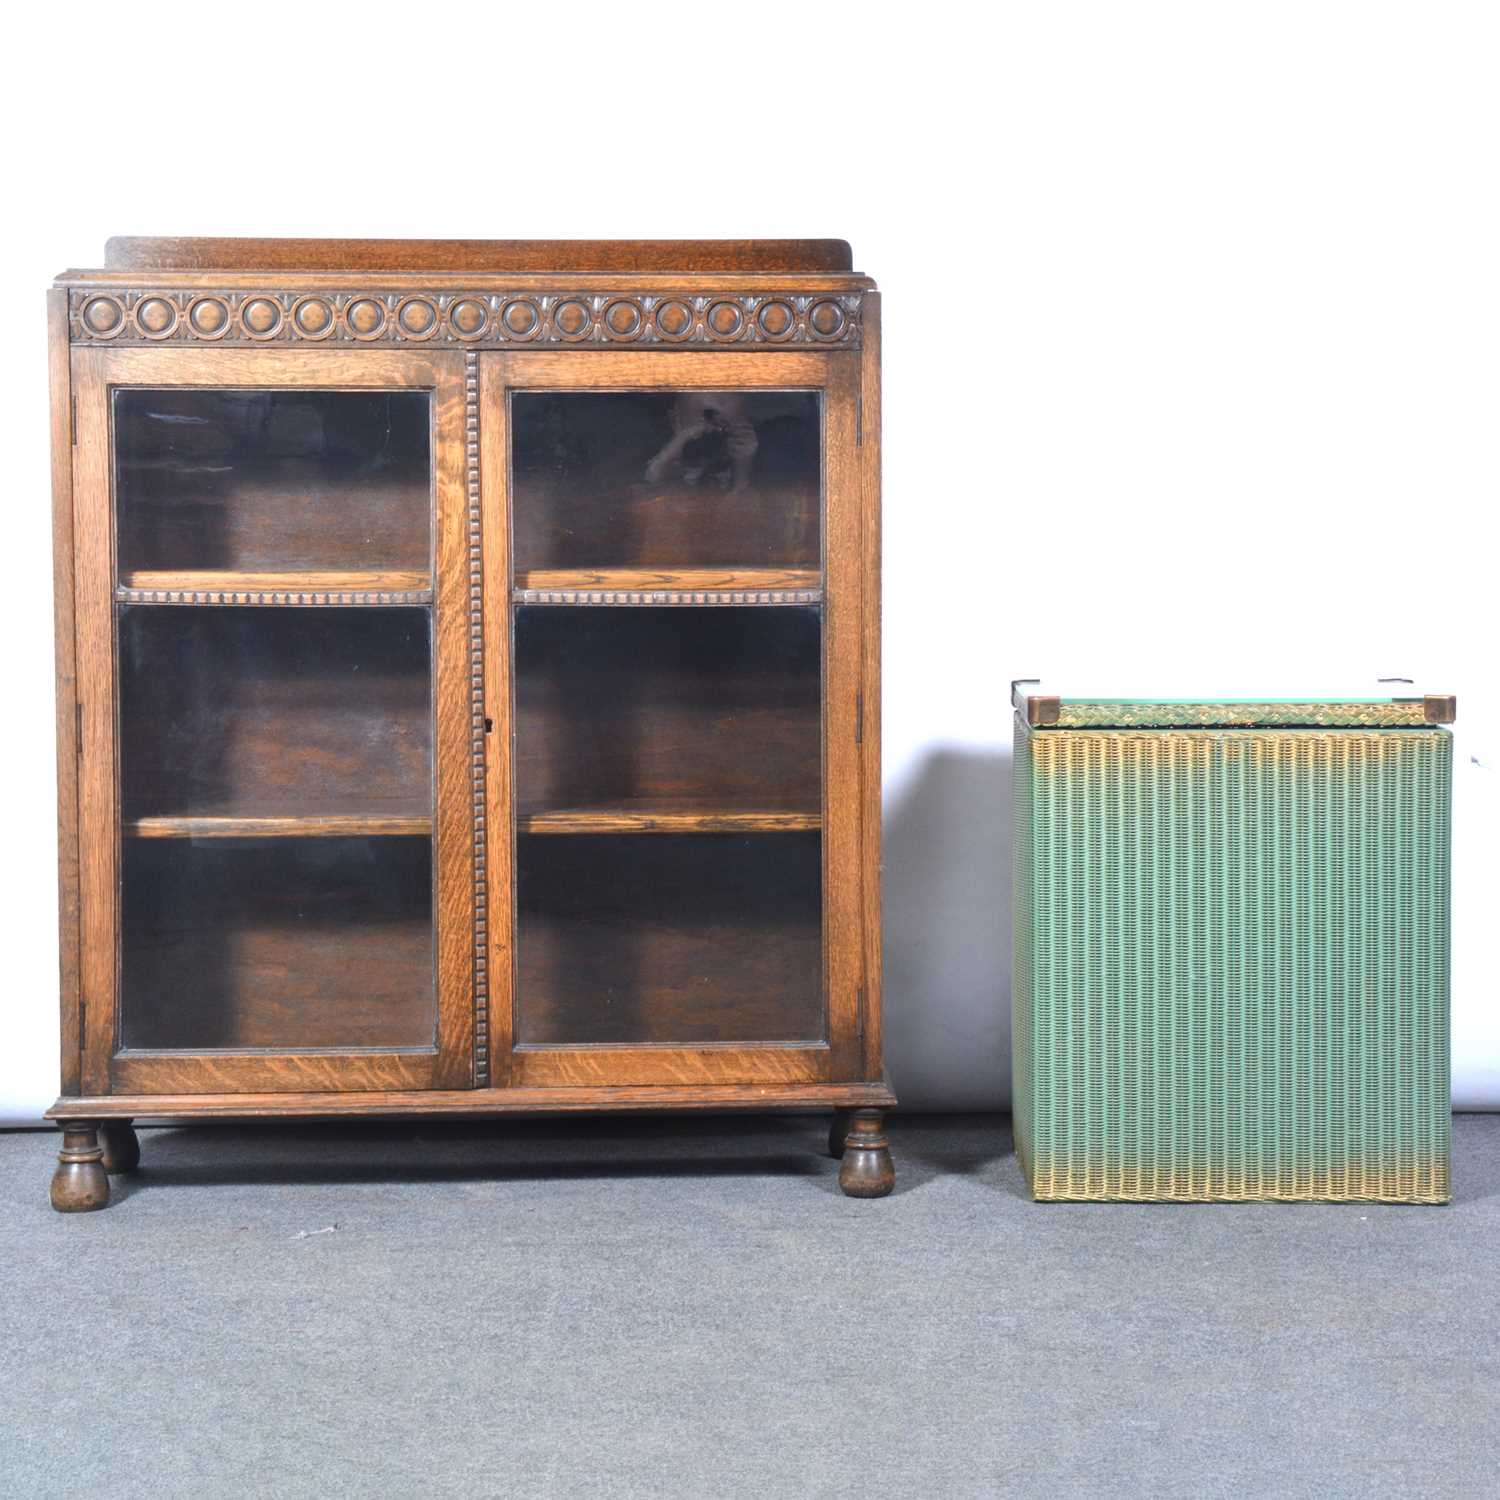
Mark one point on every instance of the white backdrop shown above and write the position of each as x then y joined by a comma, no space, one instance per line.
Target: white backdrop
1191,369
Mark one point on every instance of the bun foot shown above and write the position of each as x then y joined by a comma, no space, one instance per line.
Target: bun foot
121,1146
867,1170
80,1183
838,1132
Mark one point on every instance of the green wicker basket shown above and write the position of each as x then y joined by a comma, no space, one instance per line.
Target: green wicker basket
1231,948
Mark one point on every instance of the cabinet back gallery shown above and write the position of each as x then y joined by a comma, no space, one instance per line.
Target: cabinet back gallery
468,684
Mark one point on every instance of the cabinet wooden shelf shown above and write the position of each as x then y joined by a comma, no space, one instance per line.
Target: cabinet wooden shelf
216,586
447,832
647,819
646,586
298,827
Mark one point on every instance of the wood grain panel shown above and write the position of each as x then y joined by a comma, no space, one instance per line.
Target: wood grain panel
150,253
210,1073
281,828
843,717
664,369
235,368
60,380
670,579
221,580
494,475
871,627
456,623
126,282
645,818
97,803
599,1067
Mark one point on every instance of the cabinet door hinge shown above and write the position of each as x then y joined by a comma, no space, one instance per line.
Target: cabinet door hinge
78,729
859,1012
859,421
73,418
859,718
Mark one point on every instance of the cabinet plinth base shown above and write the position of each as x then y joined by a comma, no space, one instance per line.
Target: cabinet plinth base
390,1103
98,1137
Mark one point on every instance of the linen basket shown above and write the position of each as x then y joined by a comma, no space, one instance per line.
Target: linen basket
1231,948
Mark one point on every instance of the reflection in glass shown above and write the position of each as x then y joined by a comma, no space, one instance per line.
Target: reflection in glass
666,479
272,481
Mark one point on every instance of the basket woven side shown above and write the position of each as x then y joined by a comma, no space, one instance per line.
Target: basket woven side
1232,964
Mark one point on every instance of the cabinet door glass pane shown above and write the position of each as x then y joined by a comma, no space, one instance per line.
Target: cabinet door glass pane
653,710
686,939
265,481
283,944
264,712
666,479
275,759
667,757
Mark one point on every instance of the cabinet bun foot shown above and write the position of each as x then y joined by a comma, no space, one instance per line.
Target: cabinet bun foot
867,1170
80,1183
121,1146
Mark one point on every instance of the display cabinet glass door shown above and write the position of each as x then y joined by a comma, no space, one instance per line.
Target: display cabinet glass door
677,845
291,813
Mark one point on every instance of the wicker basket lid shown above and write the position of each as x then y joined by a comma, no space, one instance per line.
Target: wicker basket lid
1388,703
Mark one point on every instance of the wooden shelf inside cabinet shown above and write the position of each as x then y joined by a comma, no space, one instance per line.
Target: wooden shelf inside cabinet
627,818
330,827
208,586
637,586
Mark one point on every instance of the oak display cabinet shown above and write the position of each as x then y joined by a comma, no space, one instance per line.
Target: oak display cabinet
468,661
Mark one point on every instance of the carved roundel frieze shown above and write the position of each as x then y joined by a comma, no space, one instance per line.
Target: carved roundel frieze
724,320
493,318
313,317
208,317
776,320
623,319
417,317
826,319
155,317
365,318
468,318
521,318
103,317
261,318
674,320
572,319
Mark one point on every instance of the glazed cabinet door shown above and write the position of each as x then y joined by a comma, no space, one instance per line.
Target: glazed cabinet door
673,646
275,789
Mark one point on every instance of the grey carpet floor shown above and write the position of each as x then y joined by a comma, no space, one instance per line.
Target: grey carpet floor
679,1307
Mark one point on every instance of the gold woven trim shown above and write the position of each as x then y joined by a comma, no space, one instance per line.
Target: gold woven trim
1343,1178
1240,715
